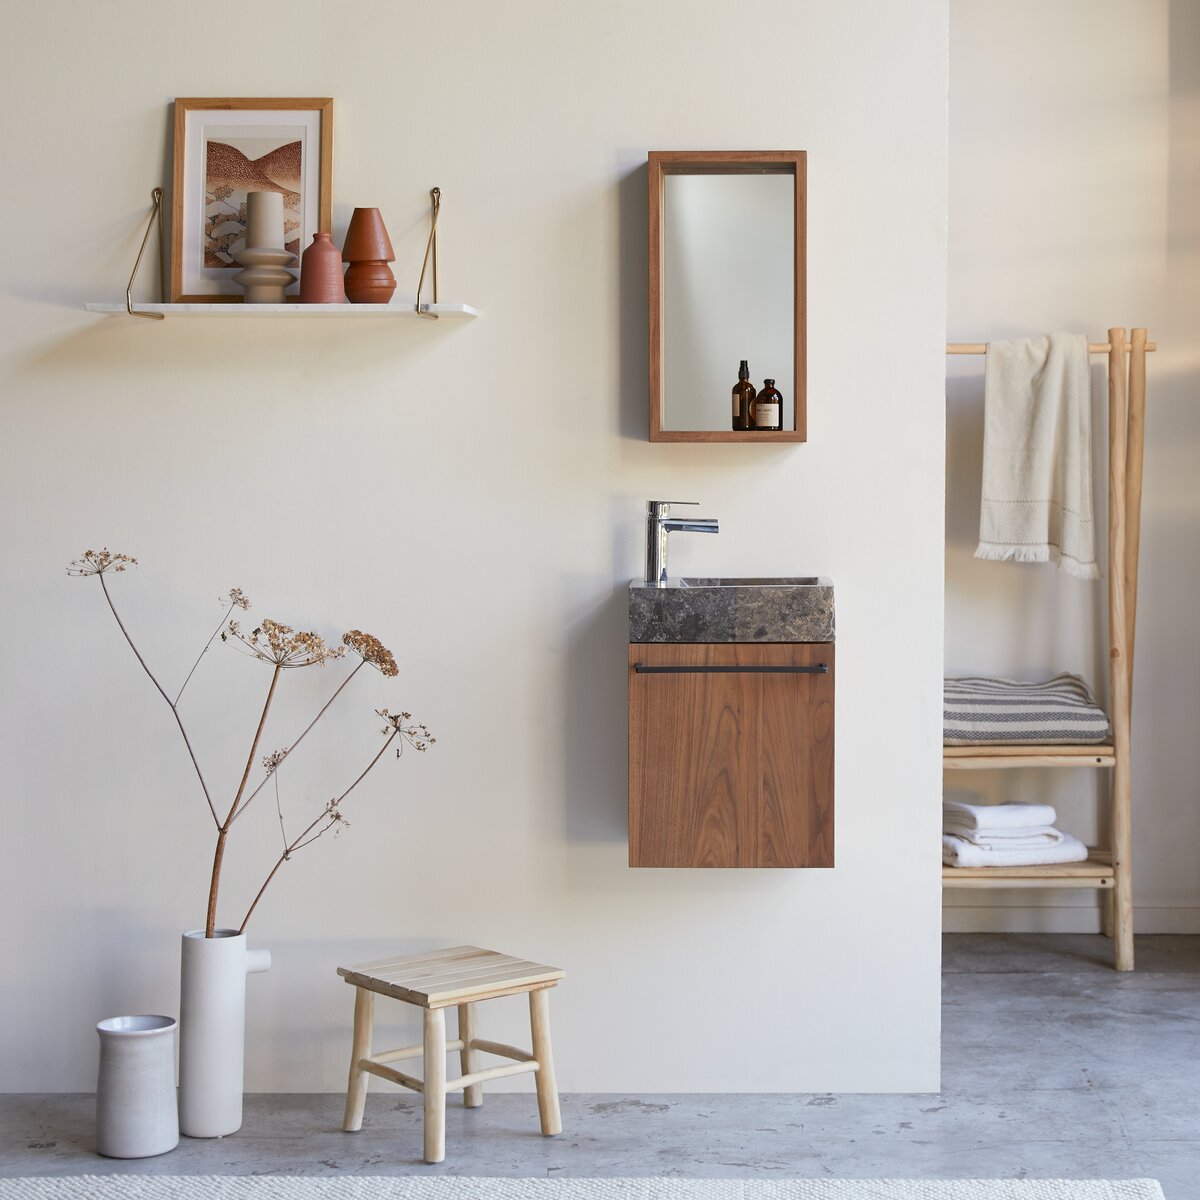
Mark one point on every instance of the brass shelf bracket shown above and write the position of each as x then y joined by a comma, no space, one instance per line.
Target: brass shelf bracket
156,197
431,246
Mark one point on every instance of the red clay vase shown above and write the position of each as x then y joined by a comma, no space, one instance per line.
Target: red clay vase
321,273
368,250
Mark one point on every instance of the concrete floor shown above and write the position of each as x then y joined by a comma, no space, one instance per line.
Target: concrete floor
1053,1066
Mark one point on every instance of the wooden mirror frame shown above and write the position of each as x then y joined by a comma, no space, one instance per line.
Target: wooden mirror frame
726,162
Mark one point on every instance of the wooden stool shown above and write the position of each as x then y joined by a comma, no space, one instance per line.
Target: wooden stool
434,981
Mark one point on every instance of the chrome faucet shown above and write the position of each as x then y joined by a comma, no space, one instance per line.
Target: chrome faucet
659,523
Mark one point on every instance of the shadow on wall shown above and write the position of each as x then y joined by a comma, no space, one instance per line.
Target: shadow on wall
594,786
633,216
964,459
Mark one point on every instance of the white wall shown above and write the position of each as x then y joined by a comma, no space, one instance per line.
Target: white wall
473,494
1075,204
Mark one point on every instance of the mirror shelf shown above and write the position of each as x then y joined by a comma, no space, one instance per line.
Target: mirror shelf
775,436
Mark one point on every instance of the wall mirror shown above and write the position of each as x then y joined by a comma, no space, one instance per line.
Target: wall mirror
727,276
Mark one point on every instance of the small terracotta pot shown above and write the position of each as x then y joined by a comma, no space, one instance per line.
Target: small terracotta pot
369,282
368,250
321,273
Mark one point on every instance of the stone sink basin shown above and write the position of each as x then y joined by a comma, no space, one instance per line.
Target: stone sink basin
777,608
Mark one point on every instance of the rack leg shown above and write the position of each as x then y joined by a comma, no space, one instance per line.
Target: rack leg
1107,916
1123,919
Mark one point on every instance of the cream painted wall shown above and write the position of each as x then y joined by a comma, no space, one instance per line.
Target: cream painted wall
1075,204
473,493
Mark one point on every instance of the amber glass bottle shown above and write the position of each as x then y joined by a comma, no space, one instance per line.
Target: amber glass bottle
768,408
743,399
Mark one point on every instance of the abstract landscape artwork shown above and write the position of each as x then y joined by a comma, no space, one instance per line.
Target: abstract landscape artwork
235,165
224,150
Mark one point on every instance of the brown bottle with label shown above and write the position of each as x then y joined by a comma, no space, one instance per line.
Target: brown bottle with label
743,399
768,408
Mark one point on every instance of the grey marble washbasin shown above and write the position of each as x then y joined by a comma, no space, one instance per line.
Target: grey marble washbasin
775,608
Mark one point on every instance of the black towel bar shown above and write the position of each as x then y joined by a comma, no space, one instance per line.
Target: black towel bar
815,669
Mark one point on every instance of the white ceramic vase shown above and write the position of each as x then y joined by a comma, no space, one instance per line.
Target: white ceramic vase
212,1030
136,1113
265,278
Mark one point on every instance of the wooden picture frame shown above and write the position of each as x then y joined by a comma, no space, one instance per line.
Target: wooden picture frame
301,161
661,163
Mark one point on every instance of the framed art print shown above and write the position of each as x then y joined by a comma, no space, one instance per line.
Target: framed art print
226,148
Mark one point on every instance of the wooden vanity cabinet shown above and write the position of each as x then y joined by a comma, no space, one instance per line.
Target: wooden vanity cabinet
731,755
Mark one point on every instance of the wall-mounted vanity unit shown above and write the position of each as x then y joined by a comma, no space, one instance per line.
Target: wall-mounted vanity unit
731,685
727,283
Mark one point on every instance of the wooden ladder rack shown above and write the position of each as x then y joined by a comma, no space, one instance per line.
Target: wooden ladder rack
1108,870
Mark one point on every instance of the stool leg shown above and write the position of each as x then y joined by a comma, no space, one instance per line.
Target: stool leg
356,1089
547,1085
473,1095
435,1085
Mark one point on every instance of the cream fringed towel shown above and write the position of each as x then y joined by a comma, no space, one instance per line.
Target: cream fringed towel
1037,454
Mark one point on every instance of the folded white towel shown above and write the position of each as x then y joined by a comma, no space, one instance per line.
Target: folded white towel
990,818
1007,839
958,852
1037,454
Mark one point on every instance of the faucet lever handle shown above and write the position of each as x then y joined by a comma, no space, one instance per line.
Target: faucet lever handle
654,507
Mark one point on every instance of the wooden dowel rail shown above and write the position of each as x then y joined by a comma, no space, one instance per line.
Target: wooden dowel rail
411,1052
518,1068
504,1051
982,347
390,1074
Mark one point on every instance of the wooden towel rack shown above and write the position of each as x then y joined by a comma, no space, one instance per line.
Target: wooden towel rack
1109,869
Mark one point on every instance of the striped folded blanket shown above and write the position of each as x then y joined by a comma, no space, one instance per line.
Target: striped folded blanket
996,712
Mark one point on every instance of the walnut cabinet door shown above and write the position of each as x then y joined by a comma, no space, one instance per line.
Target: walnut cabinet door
731,755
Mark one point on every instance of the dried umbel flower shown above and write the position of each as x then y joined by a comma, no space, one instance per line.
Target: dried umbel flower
97,562
272,761
283,646
371,650
417,736
336,821
236,599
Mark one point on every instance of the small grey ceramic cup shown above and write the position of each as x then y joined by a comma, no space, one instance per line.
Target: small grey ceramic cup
137,1113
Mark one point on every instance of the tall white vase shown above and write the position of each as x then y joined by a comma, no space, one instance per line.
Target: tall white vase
212,1030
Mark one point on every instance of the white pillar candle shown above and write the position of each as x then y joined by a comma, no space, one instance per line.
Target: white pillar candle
264,220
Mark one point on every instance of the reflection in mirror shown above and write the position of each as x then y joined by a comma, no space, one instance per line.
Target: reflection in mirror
728,293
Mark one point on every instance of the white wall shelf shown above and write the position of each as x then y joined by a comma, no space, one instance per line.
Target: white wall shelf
287,310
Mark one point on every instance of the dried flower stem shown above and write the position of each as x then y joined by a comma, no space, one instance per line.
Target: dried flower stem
223,831
212,638
279,810
301,841
297,742
170,703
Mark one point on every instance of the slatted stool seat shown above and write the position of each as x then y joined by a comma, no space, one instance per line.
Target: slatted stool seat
462,977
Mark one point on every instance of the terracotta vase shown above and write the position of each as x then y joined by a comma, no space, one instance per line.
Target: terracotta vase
321,273
368,250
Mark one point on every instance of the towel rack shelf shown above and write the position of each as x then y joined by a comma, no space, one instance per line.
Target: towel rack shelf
1109,871
1097,873
990,758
